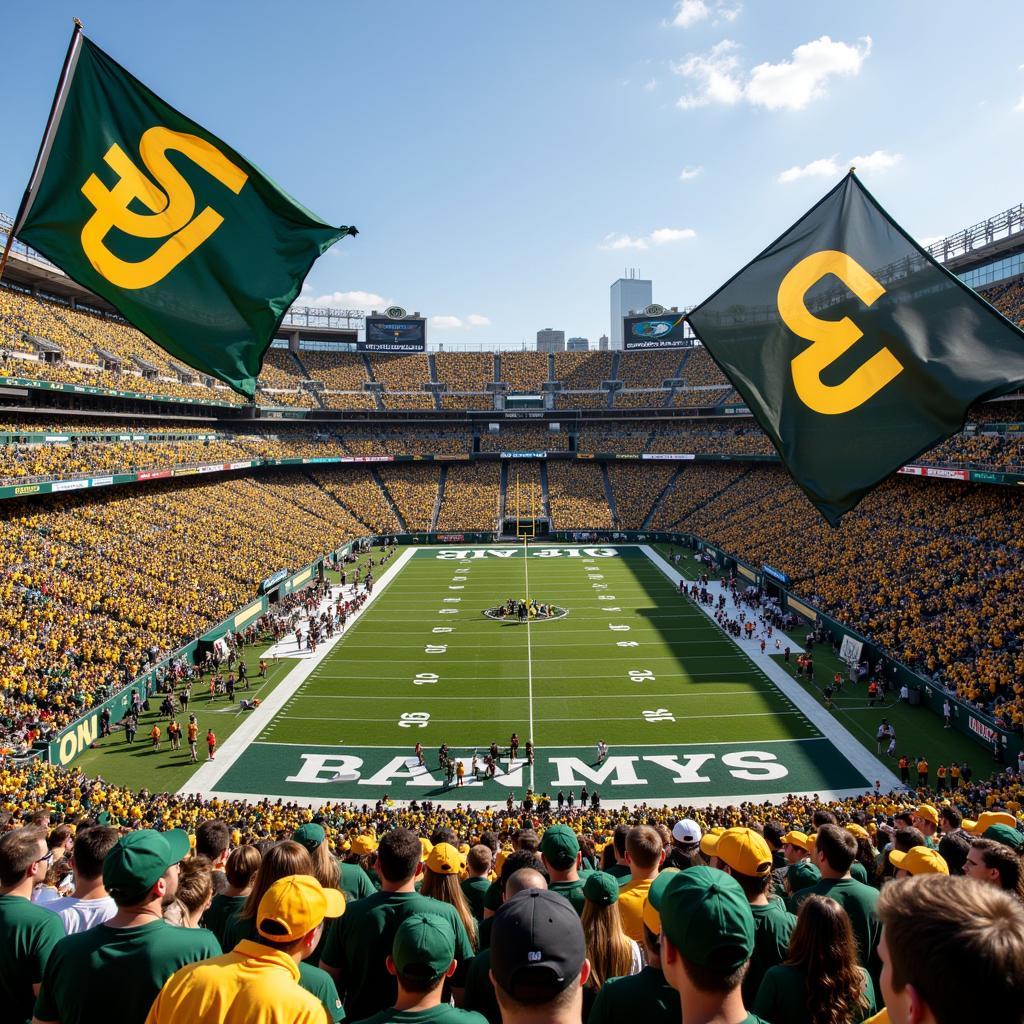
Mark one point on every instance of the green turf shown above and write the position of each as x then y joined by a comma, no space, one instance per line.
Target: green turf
573,671
918,730
684,711
137,765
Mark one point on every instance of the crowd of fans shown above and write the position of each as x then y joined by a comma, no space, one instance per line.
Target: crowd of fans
800,910
470,500
413,488
577,496
583,371
635,489
94,591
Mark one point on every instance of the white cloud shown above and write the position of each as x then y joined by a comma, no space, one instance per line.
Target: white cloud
691,12
689,173
445,323
650,85
823,168
832,166
792,84
666,236
349,300
714,75
660,236
788,85
1020,106
476,320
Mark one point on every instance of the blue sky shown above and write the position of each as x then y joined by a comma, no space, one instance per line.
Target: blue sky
506,162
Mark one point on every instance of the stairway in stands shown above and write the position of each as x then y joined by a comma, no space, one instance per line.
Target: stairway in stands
609,496
646,524
395,511
441,481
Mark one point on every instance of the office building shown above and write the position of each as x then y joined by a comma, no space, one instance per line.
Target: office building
629,294
550,341
577,345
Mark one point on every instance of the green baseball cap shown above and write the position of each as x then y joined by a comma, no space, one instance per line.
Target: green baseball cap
1006,835
601,888
802,875
560,846
310,835
137,861
424,947
705,915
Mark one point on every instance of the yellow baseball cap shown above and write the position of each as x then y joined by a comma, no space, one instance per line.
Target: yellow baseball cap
743,849
445,859
293,906
986,820
920,860
800,839
928,813
857,830
364,844
425,846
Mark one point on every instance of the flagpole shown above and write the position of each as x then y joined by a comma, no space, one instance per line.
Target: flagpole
56,109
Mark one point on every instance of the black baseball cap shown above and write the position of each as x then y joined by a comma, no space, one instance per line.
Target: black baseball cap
537,946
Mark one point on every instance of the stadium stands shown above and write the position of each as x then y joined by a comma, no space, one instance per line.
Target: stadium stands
470,497
577,495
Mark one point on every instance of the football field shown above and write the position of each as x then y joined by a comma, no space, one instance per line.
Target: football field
688,713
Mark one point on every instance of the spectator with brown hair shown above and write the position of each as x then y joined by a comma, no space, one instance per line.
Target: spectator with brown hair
194,893
820,981
213,841
834,852
476,883
950,946
89,904
239,870
28,934
993,862
134,952
645,853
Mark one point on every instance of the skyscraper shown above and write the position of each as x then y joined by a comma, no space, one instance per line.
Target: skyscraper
549,340
628,293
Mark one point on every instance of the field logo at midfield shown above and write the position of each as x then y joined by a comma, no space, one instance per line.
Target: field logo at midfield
464,554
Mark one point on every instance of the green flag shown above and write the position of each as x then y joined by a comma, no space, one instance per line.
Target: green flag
853,348
192,243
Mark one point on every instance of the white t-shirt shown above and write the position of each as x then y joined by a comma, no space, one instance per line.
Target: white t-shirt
81,915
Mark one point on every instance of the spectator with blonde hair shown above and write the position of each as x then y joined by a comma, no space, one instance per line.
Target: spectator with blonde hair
195,891
612,954
441,882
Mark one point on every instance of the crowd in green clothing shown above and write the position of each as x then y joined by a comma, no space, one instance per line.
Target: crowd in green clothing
782,925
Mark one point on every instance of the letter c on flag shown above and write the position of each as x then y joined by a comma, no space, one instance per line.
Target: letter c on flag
831,338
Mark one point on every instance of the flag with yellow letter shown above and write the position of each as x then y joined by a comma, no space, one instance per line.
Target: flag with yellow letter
192,243
853,348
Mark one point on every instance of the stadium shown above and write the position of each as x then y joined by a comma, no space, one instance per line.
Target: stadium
409,593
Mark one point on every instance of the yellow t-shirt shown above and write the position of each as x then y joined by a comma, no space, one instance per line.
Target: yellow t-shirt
632,897
253,983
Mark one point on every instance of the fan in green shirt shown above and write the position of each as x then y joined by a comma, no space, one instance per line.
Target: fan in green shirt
560,851
28,933
820,973
422,957
359,943
128,958
222,908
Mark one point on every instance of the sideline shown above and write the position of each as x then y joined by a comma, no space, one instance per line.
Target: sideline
203,781
840,737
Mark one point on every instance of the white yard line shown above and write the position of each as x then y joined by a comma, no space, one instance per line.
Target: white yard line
205,778
529,649
842,739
